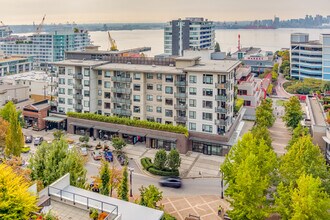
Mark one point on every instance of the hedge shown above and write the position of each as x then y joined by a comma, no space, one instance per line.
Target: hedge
146,163
155,171
131,122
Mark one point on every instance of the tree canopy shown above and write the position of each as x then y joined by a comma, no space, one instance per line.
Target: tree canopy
173,159
264,114
293,113
149,196
298,132
160,159
14,136
123,187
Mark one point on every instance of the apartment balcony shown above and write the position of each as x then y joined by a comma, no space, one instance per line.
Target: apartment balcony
221,110
77,76
180,107
180,83
180,95
222,85
122,112
221,122
53,103
121,90
78,96
121,79
121,100
78,106
77,86
222,98
180,119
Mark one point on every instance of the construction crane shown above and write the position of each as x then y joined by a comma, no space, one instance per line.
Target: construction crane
38,30
113,45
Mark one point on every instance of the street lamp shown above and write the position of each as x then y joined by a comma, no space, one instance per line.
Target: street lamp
131,170
221,174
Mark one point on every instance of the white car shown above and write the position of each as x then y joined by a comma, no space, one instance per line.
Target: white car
84,151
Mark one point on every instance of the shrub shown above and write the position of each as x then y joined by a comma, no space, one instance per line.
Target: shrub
160,159
131,122
165,172
146,163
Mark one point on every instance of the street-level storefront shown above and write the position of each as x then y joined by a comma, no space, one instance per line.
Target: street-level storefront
83,129
55,122
34,115
209,147
133,137
106,133
159,142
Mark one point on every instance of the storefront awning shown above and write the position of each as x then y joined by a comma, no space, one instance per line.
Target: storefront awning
54,119
209,141
132,133
81,125
161,138
106,129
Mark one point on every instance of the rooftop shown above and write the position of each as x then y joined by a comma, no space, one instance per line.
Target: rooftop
84,63
248,50
10,87
217,66
139,68
12,58
31,76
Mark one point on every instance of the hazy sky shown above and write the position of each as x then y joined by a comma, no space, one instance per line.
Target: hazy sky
93,11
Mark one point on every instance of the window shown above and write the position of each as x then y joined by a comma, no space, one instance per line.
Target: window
159,120
192,79
192,114
207,116
99,92
136,98
207,128
107,74
61,100
207,104
159,109
192,126
86,103
99,102
70,82
192,91
99,72
159,76
207,92
136,109
169,78
107,85
86,82
106,105
70,91
150,86
86,72
70,101
149,98
61,91
192,102
159,87
136,87
61,109
168,113
61,81
168,89
70,72
207,79
137,76
149,108
150,76
168,101
159,98
107,95
99,82
86,93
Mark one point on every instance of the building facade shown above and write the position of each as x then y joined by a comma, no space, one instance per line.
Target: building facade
310,59
194,94
15,93
46,47
191,33
5,31
15,64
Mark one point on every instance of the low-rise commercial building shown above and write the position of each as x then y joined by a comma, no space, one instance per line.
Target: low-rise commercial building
14,64
15,93
35,113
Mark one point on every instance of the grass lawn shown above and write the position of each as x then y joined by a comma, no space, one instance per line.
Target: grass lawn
280,102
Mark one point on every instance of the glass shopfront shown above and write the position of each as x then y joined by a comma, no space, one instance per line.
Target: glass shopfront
207,148
162,144
133,139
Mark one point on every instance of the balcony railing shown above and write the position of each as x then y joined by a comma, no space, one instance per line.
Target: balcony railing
78,106
121,100
221,110
121,90
180,107
221,98
120,79
77,86
222,85
180,119
180,95
78,96
124,112
180,83
77,76
221,122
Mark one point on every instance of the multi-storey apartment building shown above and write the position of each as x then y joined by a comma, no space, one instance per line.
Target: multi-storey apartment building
191,33
14,64
46,47
310,59
192,93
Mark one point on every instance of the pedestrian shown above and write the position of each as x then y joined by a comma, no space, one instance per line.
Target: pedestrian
219,210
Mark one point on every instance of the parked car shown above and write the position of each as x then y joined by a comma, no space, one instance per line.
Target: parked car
38,141
28,139
122,159
96,155
94,187
108,156
83,151
174,182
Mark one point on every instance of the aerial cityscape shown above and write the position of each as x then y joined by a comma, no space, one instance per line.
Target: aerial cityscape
164,111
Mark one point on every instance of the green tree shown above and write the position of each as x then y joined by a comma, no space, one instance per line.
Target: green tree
298,132
149,196
304,157
115,179
58,134
217,47
262,133
123,187
16,202
105,178
160,159
264,114
14,137
275,67
8,109
118,143
173,159
3,133
293,113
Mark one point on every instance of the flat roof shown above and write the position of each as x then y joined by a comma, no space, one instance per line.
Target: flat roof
217,66
12,58
85,63
54,119
30,76
9,87
139,68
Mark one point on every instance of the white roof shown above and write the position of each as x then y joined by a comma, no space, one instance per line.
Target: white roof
29,76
